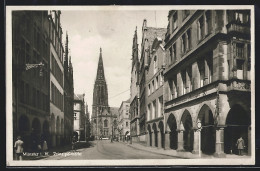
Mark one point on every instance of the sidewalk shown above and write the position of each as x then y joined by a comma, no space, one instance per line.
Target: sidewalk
174,153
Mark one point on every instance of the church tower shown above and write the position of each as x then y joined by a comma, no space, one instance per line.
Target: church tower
100,95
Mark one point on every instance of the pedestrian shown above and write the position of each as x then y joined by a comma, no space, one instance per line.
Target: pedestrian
240,145
44,147
73,143
18,146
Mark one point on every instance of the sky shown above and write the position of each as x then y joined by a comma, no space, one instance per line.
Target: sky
113,31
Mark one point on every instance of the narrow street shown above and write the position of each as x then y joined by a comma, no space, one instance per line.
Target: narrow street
106,150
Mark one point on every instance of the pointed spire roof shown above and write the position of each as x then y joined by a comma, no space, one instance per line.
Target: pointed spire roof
100,69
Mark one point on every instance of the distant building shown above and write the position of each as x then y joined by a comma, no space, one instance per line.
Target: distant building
79,117
87,124
104,118
124,120
207,81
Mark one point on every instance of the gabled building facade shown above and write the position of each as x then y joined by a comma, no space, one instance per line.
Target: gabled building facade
207,81
123,120
148,36
79,117
154,85
134,92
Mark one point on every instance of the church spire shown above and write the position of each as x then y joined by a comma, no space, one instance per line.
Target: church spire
100,94
100,69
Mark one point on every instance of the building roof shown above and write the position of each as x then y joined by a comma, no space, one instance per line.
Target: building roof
153,33
79,97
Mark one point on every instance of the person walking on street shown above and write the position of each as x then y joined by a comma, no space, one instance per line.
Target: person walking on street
18,146
240,145
73,143
44,147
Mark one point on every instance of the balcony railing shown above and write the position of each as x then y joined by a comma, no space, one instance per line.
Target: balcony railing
236,27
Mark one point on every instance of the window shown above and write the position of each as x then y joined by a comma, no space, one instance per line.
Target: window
152,86
240,50
201,65
189,79
149,112
248,57
201,28
173,53
174,21
156,82
154,109
188,39
183,76
209,61
186,13
240,64
105,123
160,106
208,22
183,43
161,78
149,89
126,124
239,17
155,64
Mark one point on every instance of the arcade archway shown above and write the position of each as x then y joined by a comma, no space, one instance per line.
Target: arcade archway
155,141
172,124
238,124
188,135
208,132
161,129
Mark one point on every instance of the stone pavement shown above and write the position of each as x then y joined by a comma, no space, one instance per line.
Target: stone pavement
174,153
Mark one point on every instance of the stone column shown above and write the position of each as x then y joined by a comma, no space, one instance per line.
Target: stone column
159,139
180,140
167,140
153,139
196,142
148,139
219,152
